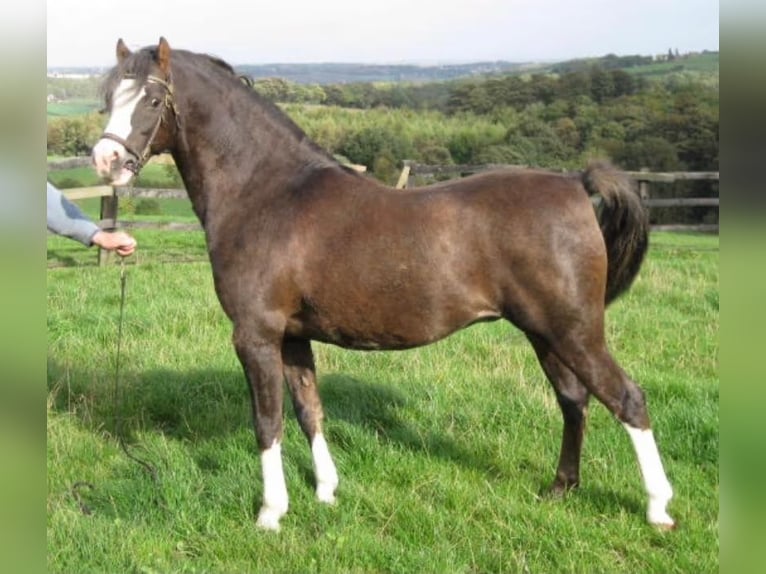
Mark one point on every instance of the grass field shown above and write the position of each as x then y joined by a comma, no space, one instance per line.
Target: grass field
442,451
152,175
706,64
73,107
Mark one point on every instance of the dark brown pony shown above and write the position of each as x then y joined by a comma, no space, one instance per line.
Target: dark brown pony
304,249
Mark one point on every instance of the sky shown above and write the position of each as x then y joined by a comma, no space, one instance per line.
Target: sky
85,32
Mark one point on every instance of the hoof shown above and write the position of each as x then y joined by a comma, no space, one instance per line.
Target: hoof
559,490
663,523
665,527
268,519
657,514
326,493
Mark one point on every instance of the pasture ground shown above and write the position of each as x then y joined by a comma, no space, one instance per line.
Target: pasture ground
442,451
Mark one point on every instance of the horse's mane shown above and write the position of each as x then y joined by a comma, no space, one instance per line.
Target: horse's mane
140,64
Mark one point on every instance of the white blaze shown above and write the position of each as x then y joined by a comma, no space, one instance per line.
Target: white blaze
109,155
125,99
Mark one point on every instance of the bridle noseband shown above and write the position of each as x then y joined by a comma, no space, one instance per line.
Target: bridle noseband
168,103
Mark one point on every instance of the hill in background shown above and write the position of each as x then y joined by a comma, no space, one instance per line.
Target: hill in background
337,73
334,73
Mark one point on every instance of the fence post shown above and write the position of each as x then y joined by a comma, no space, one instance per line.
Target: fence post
108,221
404,177
643,190
643,186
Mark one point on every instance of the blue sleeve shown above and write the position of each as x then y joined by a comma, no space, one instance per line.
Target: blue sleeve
65,218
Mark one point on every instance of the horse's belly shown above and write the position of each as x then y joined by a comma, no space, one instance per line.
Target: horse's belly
395,331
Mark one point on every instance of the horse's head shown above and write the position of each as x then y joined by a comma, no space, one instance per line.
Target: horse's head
143,115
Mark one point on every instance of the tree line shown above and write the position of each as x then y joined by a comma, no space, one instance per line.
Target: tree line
545,120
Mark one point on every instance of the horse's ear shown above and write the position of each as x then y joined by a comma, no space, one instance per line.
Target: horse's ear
163,56
122,51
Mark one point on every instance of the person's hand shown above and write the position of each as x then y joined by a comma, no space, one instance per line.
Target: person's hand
118,241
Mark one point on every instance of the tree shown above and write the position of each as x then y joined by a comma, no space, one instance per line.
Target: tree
601,85
76,135
624,83
364,146
656,153
574,85
567,132
543,88
470,97
385,167
436,155
273,89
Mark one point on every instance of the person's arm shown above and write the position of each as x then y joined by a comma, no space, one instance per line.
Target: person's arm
65,218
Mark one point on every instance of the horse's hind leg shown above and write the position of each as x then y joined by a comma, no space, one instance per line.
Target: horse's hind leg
572,397
598,371
300,374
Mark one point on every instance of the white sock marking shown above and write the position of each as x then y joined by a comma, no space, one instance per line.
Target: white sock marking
274,490
324,470
655,481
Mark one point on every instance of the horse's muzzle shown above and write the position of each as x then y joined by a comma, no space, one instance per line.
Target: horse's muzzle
113,163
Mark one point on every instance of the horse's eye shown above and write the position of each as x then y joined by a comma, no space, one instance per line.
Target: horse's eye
155,102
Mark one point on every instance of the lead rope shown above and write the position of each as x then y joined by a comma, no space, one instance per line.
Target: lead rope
147,466
150,468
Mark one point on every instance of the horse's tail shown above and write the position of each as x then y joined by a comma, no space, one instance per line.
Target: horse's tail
624,223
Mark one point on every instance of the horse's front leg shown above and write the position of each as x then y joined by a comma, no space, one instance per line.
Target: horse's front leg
300,373
261,360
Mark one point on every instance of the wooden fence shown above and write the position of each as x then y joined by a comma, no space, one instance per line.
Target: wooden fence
110,195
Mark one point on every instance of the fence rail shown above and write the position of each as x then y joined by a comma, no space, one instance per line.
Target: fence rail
643,178
110,195
417,169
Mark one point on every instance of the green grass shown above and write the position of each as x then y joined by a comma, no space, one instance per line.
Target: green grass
442,451
73,107
706,64
152,175
177,210
75,177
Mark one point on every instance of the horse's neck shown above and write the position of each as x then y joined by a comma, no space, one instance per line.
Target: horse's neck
238,148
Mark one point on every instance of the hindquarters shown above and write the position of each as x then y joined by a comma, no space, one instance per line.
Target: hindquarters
558,299
555,263
581,262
